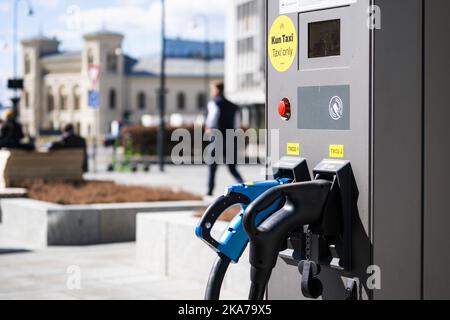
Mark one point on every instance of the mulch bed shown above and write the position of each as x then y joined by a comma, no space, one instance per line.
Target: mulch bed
97,192
227,216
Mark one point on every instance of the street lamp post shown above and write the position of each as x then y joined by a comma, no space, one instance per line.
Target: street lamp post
16,99
207,54
162,93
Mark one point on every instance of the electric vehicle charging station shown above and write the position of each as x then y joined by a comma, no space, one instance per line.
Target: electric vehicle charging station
368,100
356,90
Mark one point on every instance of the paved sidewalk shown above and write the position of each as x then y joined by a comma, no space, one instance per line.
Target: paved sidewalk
107,272
190,178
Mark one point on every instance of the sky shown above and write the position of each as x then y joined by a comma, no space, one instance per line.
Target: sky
138,20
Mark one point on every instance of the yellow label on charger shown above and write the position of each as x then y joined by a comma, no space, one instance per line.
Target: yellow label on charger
337,151
282,43
293,149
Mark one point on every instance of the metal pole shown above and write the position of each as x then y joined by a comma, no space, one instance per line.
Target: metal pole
207,59
14,40
15,99
162,92
96,139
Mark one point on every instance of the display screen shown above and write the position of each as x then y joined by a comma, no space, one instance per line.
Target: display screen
324,39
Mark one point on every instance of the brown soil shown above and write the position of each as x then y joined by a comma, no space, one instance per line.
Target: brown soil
95,192
227,216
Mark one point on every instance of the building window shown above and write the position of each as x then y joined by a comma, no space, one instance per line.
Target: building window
26,98
181,101
76,98
126,115
247,80
63,98
247,15
90,57
112,62
246,45
247,9
201,101
112,99
78,128
27,64
50,101
141,101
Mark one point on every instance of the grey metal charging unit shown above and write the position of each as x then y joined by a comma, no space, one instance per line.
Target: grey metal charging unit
378,98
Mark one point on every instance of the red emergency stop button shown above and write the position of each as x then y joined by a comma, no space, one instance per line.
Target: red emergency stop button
284,109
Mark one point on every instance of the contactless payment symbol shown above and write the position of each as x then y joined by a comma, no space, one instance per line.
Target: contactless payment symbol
336,108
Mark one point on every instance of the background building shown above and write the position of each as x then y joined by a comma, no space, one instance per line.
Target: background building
245,57
179,48
56,83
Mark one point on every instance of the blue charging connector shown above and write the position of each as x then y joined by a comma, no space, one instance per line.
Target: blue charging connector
234,239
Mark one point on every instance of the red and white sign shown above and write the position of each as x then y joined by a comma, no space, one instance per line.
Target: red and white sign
94,71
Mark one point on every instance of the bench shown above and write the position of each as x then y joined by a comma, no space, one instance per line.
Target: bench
18,166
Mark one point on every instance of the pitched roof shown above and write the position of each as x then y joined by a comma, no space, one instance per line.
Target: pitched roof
39,38
103,33
61,56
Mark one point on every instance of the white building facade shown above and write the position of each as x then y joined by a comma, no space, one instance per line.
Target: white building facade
245,57
57,85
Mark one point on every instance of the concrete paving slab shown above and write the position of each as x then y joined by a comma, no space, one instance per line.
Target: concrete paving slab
107,272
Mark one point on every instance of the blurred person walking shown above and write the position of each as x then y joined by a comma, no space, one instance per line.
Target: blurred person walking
223,115
70,140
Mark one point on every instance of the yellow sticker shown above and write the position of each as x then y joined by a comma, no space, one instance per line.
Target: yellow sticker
293,149
282,43
337,151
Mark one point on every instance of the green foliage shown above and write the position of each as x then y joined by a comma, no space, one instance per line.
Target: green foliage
140,140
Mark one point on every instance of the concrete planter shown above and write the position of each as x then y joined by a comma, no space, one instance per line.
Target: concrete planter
11,193
166,245
34,224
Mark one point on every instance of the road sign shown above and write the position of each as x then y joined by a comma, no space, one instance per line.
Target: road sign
15,83
94,74
93,99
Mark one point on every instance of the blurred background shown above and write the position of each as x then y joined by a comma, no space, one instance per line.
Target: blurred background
90,94
97,65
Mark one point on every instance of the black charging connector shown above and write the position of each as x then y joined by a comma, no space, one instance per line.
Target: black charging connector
317,214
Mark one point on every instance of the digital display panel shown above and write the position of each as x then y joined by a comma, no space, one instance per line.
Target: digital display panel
324,39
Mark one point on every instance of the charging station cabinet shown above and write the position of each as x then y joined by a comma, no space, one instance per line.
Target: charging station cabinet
366,82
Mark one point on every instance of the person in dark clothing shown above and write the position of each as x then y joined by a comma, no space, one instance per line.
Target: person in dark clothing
11,132
70,140
223,115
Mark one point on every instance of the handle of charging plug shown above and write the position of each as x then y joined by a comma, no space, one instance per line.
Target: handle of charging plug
213,213
304,205
266,200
